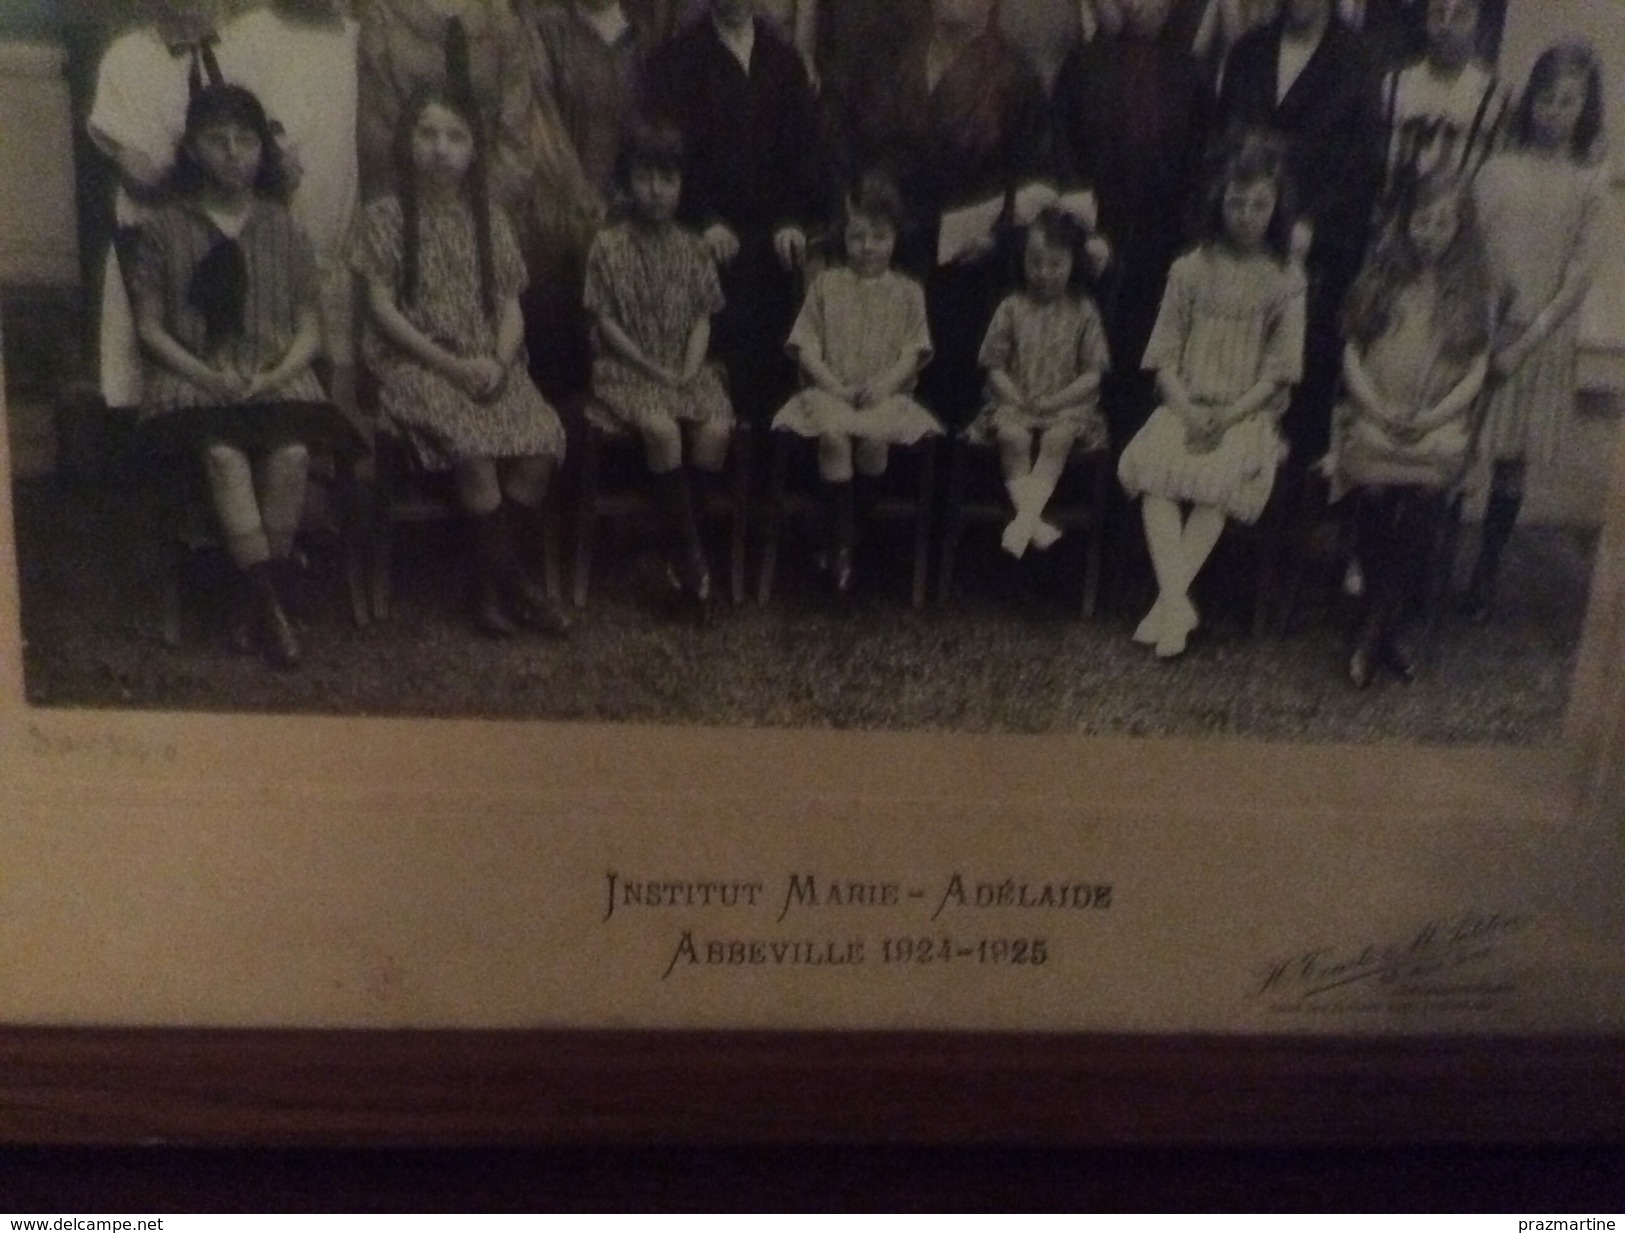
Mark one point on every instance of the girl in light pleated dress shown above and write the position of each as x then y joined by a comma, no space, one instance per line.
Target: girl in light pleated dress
1227,349
1539,201
861,340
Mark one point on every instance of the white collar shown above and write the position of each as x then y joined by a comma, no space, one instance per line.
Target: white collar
230,223
739,45
608,24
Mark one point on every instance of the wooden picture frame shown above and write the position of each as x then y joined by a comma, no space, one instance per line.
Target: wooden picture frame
253,929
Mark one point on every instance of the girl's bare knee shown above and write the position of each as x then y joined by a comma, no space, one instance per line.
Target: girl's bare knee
871,458
221,458
663,446
527,479
710,446
477,485
835,457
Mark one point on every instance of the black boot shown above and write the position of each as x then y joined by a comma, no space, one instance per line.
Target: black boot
494,563
1500,516
1416,551
535,608
842,534
278,641
687,563
1380,551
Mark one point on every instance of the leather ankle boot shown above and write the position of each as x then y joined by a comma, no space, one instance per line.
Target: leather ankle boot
278,640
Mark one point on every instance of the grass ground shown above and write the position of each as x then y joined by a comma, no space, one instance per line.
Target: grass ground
1009,654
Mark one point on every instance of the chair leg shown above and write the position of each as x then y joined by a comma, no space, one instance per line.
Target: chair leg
353,540
1290,585
1442,575
552,566
922,519
174,582
381,532
777,480
740,513
1272,542
1094,546
586,516
953,519
1266,601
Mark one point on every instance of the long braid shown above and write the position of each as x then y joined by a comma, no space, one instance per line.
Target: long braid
460,87
408,183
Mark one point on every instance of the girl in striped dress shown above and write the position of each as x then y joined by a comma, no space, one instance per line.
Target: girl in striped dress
1227,349
1539,202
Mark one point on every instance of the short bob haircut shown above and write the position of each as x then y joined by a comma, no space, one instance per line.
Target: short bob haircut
655,145
227,104
1058,229
1247,157
874,196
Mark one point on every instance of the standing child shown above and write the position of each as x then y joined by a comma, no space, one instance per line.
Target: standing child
299,58
861,339
1226,350
1445,111
226,304
1418,349
1540,201
443,275
1044,354
651,292
143,84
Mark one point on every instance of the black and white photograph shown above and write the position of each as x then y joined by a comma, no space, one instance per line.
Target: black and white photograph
1121,368
1019,515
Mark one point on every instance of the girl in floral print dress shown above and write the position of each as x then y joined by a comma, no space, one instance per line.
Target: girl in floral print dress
443,276
651,292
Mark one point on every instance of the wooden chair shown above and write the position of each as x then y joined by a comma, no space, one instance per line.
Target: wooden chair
404,494
975,494
614,482
1318,520
915,506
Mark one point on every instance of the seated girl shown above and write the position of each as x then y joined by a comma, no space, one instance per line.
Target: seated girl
443,275
226,301
1226,350
1418,325
651,292
1044,354
861,340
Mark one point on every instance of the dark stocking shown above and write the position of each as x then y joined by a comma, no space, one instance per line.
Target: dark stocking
688,553
1398,529
532,604
497,562
842,532
277,637
1500,515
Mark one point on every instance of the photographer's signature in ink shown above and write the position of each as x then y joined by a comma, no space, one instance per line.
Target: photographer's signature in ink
1453,961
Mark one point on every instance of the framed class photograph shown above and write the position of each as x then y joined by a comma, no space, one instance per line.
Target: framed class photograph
566,562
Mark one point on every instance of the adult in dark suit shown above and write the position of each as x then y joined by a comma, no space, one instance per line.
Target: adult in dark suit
1132,116
958,121
1310,79
754,181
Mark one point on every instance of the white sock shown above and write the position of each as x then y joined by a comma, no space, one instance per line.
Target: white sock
1019,533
